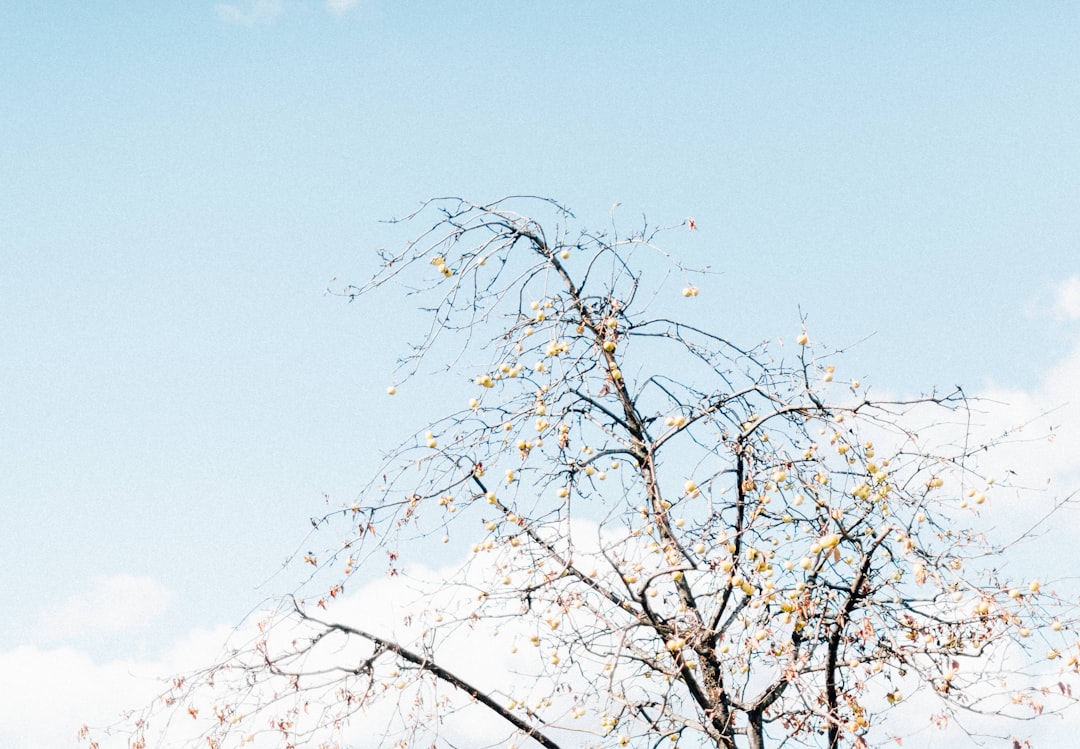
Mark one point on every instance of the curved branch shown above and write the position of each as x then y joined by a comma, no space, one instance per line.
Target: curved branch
441,673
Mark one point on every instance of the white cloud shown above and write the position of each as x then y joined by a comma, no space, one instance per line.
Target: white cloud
50,692
1051,412
1067,298
341,7
251,12
119,603
54,691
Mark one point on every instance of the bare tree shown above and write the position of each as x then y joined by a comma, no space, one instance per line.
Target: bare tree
673,538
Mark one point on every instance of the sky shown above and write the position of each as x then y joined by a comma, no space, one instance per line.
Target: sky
180,184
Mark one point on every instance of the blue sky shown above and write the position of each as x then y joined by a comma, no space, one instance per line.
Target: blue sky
180,183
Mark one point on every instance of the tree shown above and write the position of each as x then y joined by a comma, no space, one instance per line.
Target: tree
672,538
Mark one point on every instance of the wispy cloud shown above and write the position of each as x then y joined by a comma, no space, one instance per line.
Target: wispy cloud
1067,298
251,12
255,12
109,604
341,7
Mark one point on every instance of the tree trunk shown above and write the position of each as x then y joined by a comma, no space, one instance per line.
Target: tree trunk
755,729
